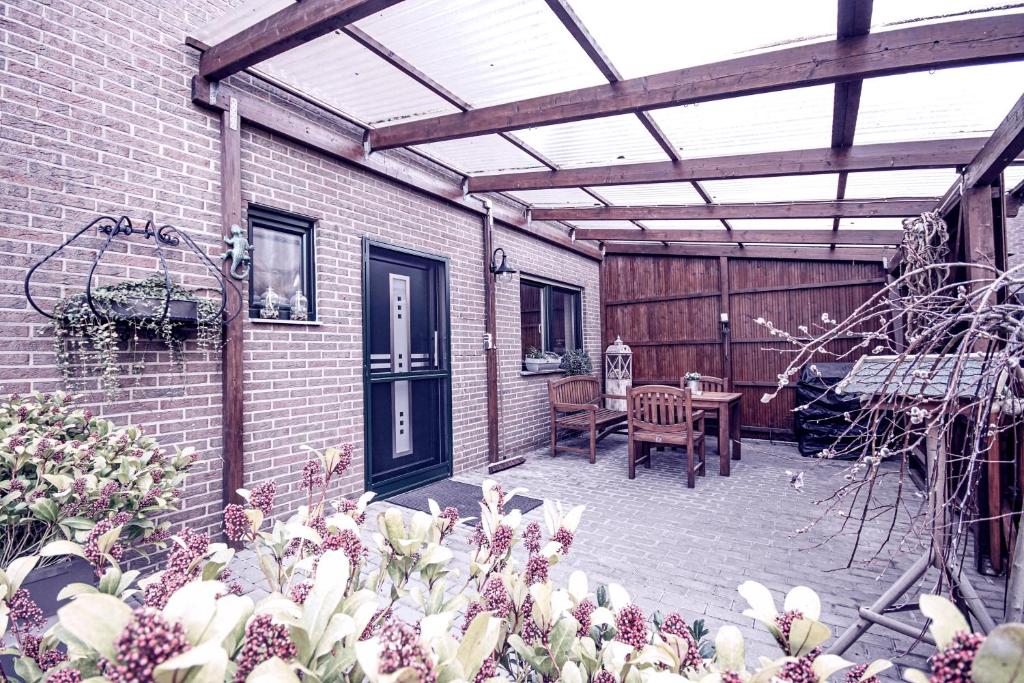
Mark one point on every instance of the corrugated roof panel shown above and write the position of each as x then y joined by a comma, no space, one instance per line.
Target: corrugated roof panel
597,142
1013,176
890,184
898,13
645,37
700,224
569,196
778,189
238,18
606,225
486,52
660,193
871,223
481,154
917,106
770,122
782,224
342,73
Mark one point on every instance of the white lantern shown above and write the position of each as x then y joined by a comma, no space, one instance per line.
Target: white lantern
618,373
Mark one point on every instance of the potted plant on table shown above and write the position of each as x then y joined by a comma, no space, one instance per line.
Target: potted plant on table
64,472
693,382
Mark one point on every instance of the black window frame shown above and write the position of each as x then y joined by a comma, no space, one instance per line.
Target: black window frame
547,313
269,218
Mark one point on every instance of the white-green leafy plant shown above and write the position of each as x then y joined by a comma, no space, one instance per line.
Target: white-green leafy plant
63,470
389,605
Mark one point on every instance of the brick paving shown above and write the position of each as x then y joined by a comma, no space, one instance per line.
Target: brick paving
686,550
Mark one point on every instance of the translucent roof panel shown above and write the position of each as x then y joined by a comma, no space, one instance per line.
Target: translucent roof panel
778,189
658,194
486,52
871,223
238,18
782,224
896,13
570,196
907,107
771,122
887,184
606,225
481,154
1013,176
645,37
340,72
653,225
597,142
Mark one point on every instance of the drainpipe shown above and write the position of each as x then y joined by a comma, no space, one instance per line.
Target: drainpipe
490,336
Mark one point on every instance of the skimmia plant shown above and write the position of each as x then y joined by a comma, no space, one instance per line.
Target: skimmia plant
63,471
386,605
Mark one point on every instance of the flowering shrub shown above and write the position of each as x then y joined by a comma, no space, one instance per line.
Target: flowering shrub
63,471
337,592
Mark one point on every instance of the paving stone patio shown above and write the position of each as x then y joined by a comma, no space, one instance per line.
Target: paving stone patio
686,550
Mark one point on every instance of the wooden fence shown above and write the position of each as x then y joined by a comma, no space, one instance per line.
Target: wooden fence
667,308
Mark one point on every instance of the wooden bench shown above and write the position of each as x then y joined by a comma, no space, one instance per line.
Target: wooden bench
576,405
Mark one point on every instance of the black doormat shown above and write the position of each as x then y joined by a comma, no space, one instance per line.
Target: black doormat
463,497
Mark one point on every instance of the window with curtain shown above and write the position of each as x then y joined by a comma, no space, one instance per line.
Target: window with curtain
550,317
282,277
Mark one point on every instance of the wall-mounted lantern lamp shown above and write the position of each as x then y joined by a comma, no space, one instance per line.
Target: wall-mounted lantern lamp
503,272
723,318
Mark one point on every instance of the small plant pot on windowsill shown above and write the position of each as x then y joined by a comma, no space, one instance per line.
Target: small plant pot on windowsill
535,364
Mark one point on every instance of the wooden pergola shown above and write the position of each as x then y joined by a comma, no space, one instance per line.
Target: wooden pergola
855,54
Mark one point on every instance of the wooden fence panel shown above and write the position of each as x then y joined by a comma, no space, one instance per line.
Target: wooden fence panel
667,309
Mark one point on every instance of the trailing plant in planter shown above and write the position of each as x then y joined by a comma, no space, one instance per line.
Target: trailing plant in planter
335,594
577,362
64,471
87,337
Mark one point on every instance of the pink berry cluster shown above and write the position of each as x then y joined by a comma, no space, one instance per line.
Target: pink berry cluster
262,497
65,676
536,569
183,566
312,476
854,674
953,664
94,555
801,669
582,613
400,648
46,659
785,623
488,669
564,538
263,640
146,642
494,599
676,625
631,626
603,676
531,535
377,621
236,523
451,517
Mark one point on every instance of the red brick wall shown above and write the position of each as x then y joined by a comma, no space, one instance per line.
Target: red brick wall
96,117
1015,239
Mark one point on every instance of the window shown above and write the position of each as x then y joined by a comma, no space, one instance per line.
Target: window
282,280
550,316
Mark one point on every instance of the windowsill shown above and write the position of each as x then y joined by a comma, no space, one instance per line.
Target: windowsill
275,321
528,373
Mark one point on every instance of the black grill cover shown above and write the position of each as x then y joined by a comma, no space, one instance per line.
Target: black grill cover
822,423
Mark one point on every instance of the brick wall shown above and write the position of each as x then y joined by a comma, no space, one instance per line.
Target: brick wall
96,117
1015,239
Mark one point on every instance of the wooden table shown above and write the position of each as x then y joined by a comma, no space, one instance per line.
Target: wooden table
727,405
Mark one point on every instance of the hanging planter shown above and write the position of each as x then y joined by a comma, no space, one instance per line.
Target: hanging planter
94,328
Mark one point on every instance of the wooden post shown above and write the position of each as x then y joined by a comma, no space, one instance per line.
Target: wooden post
231,214
491,329
978,231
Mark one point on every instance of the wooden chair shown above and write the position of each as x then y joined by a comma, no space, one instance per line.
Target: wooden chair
577,405
664,416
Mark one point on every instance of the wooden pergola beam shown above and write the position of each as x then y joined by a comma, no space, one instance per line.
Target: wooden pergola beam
283,30
880,237
800,253
1005,145
868,208
881,157
918,48
281,121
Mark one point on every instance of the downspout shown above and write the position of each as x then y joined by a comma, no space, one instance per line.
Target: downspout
490,335
490,345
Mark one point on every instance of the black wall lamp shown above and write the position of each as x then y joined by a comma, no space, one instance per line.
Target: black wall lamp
503,272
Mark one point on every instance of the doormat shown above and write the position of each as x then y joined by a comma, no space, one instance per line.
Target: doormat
463,497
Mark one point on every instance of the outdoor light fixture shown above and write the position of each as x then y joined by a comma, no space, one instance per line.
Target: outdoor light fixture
723,318
503,272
